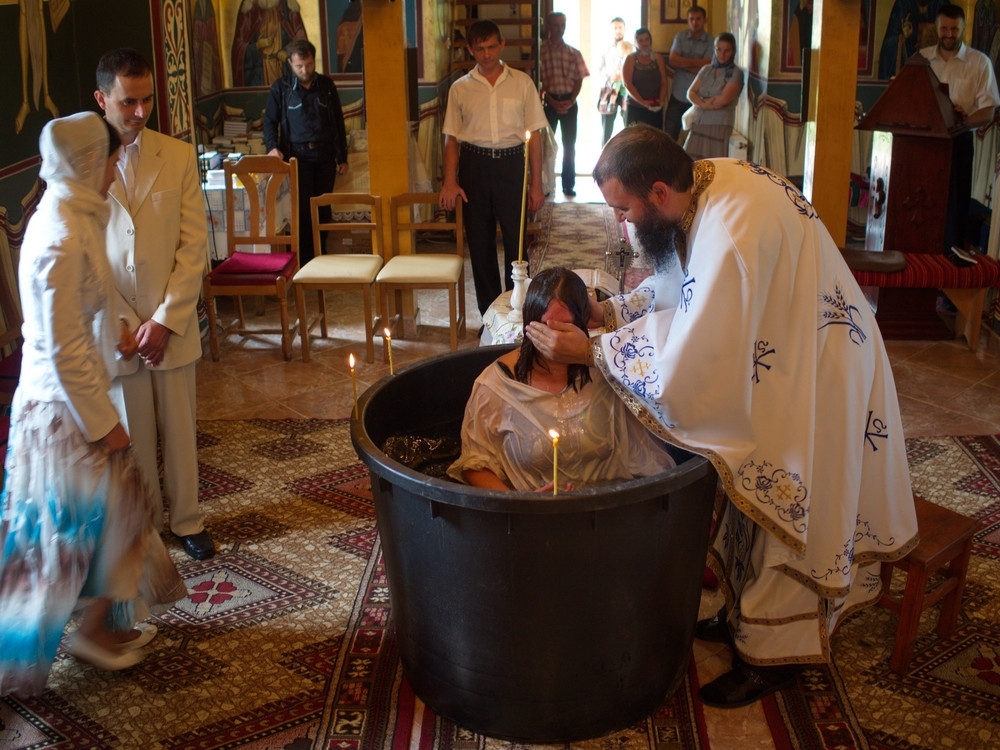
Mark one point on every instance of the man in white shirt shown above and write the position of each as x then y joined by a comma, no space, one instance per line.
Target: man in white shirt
611,70
489,111
972,88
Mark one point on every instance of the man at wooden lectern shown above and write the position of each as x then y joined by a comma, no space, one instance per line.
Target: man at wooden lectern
972,88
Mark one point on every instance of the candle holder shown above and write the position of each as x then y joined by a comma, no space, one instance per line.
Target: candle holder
519,275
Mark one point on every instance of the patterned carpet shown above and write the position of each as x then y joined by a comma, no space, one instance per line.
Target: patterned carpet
286,640
584,235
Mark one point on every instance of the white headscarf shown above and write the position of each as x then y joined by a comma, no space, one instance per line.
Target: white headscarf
75,156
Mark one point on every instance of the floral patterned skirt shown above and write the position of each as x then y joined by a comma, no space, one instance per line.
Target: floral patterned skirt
76,521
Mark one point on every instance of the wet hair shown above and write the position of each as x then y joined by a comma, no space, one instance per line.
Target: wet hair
952,11
114,140
480,31
641,155
301,47
553,284
124,62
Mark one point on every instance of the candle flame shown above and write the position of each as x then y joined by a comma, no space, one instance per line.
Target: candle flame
553,434
527,135
388,335
350,360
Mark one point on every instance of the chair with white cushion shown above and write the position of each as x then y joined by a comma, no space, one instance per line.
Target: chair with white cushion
346,271
408,270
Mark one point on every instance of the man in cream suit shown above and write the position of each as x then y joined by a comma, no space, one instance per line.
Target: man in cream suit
157,247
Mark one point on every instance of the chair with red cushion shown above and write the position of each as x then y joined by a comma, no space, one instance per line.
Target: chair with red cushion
262,238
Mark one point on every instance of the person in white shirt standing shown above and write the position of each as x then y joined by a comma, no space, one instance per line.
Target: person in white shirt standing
972,88
611,69
489,111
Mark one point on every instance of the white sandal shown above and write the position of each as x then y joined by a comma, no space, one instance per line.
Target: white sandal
147,632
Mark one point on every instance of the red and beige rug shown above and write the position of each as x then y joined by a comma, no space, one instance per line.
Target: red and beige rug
287,642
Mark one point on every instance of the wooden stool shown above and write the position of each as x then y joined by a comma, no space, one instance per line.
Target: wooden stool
945,546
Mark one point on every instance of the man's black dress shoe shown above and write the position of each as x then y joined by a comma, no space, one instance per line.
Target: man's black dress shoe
714,629
199,546
745,684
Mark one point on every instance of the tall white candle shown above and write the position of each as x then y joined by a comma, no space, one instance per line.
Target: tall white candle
555,461
524,196
388,346
354,384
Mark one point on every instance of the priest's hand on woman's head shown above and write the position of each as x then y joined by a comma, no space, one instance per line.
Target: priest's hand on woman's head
559,342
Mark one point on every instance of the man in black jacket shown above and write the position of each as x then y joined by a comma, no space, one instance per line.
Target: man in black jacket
304,119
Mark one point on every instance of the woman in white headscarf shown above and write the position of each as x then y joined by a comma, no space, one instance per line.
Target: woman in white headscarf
76,515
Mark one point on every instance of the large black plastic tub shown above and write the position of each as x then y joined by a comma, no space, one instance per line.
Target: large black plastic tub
529,617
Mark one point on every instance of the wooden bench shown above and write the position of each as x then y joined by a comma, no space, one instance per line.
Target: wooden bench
965,287
945,547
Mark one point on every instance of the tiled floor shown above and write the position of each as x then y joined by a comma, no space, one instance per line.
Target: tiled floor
944,389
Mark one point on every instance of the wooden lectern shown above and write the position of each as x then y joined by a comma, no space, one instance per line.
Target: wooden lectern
914,123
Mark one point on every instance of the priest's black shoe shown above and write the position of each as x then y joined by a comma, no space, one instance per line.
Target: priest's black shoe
714,629
199,546
745,684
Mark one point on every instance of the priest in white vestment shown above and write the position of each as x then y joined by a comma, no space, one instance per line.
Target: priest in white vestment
753,346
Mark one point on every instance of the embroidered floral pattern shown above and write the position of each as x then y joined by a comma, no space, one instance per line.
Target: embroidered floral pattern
802,205
762,349
778,488
837,311
632,306
632,357
842,563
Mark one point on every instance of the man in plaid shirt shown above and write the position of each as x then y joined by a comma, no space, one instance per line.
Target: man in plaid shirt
562,71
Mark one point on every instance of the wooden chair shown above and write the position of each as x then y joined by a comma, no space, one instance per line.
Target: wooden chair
407,270
264,268
945,546
349,271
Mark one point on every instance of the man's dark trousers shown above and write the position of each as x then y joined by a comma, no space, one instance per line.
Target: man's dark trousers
567,122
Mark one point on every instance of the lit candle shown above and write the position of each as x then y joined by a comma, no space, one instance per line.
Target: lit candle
354,384
524,196
388,346
555,461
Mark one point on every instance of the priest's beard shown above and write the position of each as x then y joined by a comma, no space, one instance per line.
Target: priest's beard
660,238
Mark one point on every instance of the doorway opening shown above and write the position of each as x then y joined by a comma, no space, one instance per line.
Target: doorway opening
588,28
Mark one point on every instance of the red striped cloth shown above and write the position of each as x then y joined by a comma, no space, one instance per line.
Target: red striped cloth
935,271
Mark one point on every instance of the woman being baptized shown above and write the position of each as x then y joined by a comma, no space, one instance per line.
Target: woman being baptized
518,399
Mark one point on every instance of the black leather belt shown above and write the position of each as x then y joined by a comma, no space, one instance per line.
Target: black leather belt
559,97
494,153
310,145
